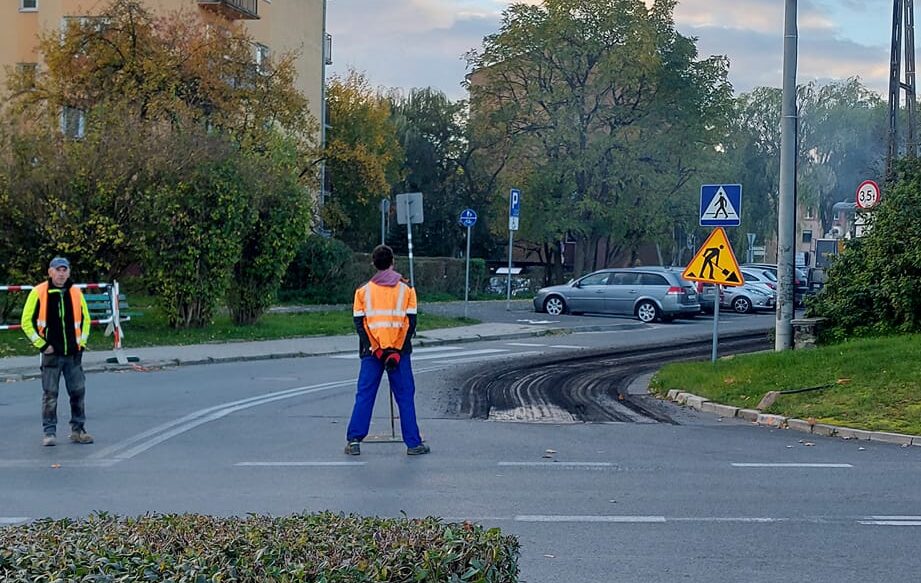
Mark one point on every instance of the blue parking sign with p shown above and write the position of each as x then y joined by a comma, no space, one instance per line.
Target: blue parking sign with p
514,203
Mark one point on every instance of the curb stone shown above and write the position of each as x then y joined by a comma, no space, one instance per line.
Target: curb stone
749,414
801,425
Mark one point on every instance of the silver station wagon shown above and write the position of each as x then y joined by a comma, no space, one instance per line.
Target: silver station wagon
649,293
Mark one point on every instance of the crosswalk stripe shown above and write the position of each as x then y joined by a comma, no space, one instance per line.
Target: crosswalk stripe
442,350
890,522
463,355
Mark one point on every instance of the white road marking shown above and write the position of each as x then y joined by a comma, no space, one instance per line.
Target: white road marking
300,464
463,355
148,439
429,350
589,518
526,344
152,437
891,521
792,465
565,346
743,519
57,464
11,520
492,357
436,349
557,464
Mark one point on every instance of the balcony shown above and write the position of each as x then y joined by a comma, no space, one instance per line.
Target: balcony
233,9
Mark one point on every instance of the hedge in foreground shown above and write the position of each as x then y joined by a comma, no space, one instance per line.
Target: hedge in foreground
193,548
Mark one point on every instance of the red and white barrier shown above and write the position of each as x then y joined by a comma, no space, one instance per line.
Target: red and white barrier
113,323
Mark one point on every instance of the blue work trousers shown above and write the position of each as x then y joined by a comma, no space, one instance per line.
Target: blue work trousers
404,390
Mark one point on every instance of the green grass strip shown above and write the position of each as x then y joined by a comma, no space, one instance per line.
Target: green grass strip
876,383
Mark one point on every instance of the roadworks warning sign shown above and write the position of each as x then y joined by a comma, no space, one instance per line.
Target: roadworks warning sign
715,262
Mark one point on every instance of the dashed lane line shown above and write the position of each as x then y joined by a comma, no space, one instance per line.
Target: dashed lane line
301,464
789,465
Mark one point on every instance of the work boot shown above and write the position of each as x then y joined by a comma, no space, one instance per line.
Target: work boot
420,449
81,437
353,448
49,440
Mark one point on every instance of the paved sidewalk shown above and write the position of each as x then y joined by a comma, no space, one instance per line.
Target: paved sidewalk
24,367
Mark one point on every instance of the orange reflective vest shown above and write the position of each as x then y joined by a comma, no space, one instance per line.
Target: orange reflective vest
385,310
38,298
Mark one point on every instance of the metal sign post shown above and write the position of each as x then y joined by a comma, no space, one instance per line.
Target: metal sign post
716,322
385,209
751,247
514,213
409,211
467,219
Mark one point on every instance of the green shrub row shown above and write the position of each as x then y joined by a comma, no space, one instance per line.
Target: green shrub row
325,271
323,547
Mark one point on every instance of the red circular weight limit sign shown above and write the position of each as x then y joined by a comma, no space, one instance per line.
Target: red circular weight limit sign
867,194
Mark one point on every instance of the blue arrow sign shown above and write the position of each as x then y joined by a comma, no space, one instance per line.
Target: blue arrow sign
467,218
720,205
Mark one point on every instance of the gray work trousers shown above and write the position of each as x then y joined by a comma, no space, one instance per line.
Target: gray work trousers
53,366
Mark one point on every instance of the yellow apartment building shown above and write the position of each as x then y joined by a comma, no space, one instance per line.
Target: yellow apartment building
276,25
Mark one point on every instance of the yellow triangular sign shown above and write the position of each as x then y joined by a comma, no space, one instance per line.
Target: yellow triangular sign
715,262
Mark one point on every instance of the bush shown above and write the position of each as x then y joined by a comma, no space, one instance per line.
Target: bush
319,273
304,547
195,235
872,287
282,215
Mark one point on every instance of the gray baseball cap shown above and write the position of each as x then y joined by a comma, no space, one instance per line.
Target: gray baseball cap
59,262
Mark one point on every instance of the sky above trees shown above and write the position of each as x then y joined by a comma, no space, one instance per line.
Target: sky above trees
420,43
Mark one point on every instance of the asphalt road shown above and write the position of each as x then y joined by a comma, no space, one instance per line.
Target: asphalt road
702,500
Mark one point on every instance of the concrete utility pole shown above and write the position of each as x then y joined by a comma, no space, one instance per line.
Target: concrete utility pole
786,212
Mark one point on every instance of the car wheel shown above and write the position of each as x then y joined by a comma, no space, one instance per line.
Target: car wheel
742,305
555,305
647,312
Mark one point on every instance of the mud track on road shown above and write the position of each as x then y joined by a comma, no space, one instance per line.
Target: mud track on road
588,388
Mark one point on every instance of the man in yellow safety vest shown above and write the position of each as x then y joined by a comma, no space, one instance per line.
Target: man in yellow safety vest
385,319
56,320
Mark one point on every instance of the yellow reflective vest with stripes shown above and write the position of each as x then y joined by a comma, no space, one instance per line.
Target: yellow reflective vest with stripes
37,318
386,311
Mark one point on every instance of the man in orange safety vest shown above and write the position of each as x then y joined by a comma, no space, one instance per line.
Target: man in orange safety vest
385,319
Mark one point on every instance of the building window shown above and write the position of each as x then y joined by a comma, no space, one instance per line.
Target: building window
807,236
73,123
810,213
261,57
28,5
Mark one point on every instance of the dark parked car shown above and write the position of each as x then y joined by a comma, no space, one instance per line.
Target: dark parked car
801,287
649,293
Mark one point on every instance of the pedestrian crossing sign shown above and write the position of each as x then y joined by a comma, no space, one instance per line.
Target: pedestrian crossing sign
720,205
715,262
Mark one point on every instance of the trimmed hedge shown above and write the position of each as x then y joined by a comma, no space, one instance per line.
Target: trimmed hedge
324,272
323,547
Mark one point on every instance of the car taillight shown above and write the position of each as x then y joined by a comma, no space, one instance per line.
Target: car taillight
675,291
772,286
